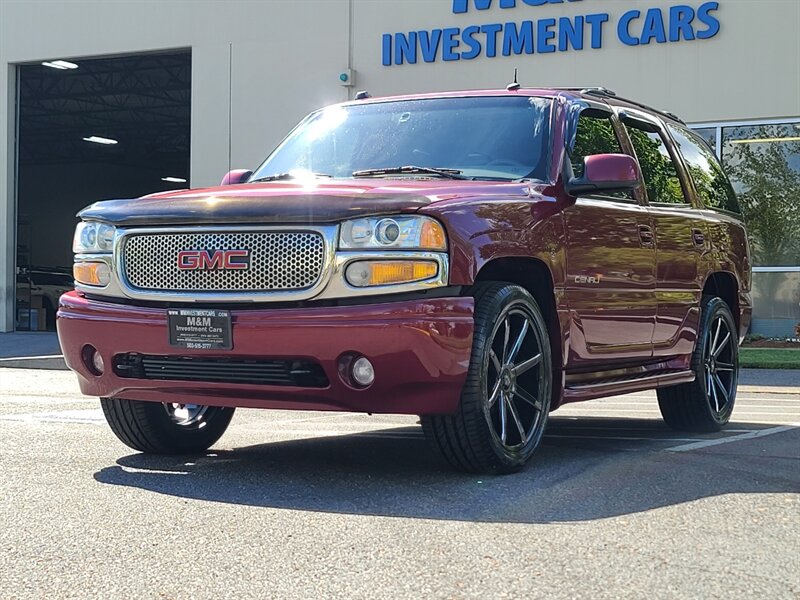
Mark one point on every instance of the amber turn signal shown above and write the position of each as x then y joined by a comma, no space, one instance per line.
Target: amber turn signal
91,273
432,236
369,273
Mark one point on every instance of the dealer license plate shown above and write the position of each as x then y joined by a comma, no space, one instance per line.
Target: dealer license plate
200,329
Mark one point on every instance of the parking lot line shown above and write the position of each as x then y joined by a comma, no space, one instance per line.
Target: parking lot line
734,438
623,438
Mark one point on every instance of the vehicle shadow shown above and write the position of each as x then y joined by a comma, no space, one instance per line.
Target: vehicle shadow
393,472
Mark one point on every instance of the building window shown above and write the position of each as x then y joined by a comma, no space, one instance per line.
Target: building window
762,160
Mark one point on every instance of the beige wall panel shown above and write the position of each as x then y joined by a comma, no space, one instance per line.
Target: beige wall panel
286,55
750,69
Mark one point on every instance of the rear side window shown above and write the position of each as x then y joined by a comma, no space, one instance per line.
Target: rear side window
658,170
710,180
595,135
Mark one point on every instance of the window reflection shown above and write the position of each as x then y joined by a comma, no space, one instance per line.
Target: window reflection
776,303
709,135
763,162
595,135
658,170
709,178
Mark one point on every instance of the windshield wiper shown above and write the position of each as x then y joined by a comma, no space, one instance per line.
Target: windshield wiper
411,170
291,175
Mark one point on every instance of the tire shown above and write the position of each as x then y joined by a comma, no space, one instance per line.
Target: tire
157,428
502,386
706,404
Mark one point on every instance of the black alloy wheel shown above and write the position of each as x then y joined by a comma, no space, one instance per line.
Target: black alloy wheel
514,405
168,428
706,404
506,398
720,364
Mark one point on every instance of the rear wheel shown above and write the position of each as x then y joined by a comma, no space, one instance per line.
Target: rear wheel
706,404
506,396
168,428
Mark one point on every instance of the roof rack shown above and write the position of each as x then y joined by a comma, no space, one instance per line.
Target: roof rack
606,93
599,91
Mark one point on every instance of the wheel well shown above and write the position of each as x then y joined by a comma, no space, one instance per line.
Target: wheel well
533,275
725,286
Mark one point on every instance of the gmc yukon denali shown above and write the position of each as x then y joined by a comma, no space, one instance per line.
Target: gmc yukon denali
476,258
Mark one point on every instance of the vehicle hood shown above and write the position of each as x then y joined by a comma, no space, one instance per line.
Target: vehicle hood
317,201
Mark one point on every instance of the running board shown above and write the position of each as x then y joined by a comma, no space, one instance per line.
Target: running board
587,390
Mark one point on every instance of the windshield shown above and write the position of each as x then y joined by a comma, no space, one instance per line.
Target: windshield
502,138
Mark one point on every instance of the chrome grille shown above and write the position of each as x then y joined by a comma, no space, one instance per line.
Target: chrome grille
279,261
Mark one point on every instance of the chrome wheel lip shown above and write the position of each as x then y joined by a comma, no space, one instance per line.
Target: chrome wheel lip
720,366
506,391
185,415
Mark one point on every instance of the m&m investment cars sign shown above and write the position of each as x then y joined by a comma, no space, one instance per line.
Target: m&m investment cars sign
636,27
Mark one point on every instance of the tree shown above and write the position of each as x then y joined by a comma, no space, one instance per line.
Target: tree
767,178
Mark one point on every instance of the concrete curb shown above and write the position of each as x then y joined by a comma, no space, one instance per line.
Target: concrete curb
54,362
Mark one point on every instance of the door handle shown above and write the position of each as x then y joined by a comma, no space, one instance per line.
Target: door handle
646,236
698,237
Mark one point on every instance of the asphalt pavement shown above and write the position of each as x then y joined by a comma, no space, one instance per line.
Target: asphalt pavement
332,505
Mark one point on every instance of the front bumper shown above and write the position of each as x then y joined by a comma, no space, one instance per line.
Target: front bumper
420,351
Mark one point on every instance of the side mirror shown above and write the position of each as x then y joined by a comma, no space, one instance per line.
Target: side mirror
236,176
606,173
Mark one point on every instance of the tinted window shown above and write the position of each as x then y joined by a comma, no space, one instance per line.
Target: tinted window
595,135
709,135
658,170
706,172
484,137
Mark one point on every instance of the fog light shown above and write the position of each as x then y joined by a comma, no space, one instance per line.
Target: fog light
97,362
363,372
93,360
92,273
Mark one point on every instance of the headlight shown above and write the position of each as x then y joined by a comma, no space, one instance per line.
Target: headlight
93,238
387,233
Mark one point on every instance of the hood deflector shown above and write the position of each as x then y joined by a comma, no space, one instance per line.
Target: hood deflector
273,208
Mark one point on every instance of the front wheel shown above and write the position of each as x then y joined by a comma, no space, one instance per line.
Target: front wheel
506,396
706,404
157,428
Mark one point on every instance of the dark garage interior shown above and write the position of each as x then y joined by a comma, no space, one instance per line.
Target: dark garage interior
89,130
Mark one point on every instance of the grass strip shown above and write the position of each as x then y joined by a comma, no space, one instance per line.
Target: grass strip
769,358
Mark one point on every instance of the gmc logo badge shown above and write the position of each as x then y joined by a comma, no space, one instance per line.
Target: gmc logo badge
213,260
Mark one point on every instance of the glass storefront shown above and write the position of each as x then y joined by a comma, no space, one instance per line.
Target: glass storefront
763,162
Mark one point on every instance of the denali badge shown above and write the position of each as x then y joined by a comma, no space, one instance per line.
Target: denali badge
594,280
213,260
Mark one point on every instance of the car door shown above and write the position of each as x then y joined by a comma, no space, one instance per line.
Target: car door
679,235
610,252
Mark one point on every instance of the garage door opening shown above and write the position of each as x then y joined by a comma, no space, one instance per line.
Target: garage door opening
89,130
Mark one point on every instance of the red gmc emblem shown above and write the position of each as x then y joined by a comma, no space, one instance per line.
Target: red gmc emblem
213,260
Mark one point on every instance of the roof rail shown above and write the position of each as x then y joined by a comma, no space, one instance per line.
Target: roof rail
605,92
599,91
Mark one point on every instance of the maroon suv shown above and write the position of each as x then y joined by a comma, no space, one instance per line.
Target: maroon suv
477,258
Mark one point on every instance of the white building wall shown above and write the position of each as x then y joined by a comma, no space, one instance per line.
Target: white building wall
286,56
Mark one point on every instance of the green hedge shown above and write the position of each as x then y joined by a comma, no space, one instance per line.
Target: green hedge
769,358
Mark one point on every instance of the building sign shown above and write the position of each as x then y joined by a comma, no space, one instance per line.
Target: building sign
636,27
